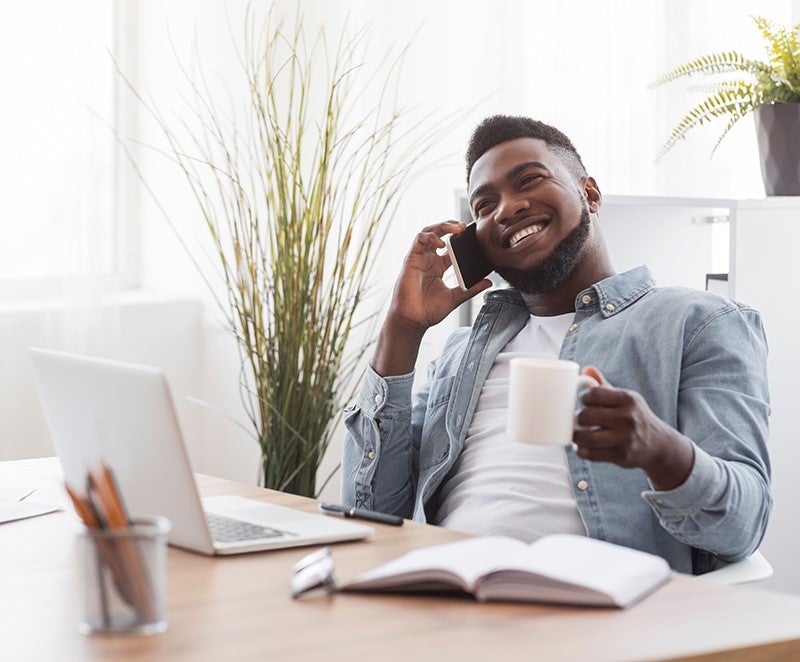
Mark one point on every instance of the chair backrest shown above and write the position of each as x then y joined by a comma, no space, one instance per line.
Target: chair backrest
754,568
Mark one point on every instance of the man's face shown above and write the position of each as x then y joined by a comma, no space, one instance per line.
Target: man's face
532,219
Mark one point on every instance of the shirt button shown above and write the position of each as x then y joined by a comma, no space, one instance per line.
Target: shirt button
586,298
371,455
459,418
583,485
573,327
471,366
378,399
609,307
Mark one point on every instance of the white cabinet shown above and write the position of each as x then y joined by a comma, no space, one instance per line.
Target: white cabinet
681,240
765,236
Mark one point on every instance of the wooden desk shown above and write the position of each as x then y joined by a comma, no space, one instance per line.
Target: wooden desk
239,608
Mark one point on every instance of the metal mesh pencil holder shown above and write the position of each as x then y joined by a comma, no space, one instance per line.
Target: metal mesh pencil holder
124,576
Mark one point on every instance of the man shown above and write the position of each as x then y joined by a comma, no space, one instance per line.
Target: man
671,456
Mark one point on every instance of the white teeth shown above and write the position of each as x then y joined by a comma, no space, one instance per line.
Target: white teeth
519,236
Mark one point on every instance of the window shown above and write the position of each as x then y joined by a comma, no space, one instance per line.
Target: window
57,174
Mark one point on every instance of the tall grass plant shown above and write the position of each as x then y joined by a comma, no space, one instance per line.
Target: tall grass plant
296,189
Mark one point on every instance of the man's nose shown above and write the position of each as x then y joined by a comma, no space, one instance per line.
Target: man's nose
508,207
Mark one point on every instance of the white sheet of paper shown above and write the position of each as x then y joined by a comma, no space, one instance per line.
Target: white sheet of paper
11,511
15,493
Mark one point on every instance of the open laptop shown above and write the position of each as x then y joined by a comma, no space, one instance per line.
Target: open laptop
123,414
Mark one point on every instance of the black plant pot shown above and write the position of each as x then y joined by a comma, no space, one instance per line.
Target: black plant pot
778,133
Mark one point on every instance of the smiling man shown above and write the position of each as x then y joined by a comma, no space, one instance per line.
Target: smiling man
671,455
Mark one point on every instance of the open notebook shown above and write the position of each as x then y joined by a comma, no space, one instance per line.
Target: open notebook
123,414
559,568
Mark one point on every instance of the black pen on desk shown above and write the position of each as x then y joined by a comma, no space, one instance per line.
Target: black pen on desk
361,513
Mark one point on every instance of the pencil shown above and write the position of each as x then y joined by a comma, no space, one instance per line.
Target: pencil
133,571
86,512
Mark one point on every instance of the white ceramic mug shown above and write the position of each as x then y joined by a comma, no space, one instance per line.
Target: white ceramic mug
541,400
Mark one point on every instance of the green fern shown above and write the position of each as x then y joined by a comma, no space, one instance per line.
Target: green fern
717,63
783,47
775,81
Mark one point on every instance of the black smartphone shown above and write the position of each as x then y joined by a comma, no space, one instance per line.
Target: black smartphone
469,260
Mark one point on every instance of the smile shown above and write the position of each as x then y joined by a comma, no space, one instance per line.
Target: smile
526,232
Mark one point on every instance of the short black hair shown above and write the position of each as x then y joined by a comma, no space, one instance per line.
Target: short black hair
500,128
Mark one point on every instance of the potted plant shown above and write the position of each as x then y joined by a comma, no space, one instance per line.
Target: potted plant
296,194
770,90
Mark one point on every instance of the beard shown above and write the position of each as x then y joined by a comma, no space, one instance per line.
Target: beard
555,268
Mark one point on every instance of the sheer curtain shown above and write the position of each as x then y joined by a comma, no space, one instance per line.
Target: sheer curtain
58,255
67,258
57,174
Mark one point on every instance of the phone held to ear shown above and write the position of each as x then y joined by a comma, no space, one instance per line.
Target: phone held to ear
469,261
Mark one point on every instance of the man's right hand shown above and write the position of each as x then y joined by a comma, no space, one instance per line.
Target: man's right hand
421,299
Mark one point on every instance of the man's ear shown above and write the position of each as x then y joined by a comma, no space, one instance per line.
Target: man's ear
591,192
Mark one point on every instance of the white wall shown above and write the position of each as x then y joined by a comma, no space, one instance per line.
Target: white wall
152,329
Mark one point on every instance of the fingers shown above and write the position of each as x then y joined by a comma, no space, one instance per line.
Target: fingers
598,443
446,227
603,420
612,454
463,295
597,438
601,417
479,287
594,373
431,235
614,445
608,396
615,425
608,407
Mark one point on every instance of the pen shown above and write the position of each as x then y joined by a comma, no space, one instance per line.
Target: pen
361,513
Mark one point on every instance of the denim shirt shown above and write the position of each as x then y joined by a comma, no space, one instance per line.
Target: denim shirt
698,359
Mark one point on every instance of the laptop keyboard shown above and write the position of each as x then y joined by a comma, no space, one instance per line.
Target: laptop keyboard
227,529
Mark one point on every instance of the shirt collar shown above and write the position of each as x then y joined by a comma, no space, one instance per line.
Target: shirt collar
612,294
617,292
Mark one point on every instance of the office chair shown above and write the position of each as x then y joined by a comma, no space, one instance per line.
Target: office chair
754,568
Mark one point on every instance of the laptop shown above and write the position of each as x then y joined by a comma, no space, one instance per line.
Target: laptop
123,414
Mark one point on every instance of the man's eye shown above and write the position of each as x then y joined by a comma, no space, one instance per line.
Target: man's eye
482,206
527,179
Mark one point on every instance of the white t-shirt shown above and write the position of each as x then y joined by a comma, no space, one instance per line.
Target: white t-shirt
502,487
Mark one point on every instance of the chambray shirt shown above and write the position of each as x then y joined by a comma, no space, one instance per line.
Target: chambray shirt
698,359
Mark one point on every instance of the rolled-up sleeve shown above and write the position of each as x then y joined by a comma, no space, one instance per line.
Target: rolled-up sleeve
377,454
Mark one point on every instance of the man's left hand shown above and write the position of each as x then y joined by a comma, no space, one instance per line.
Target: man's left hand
617,425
